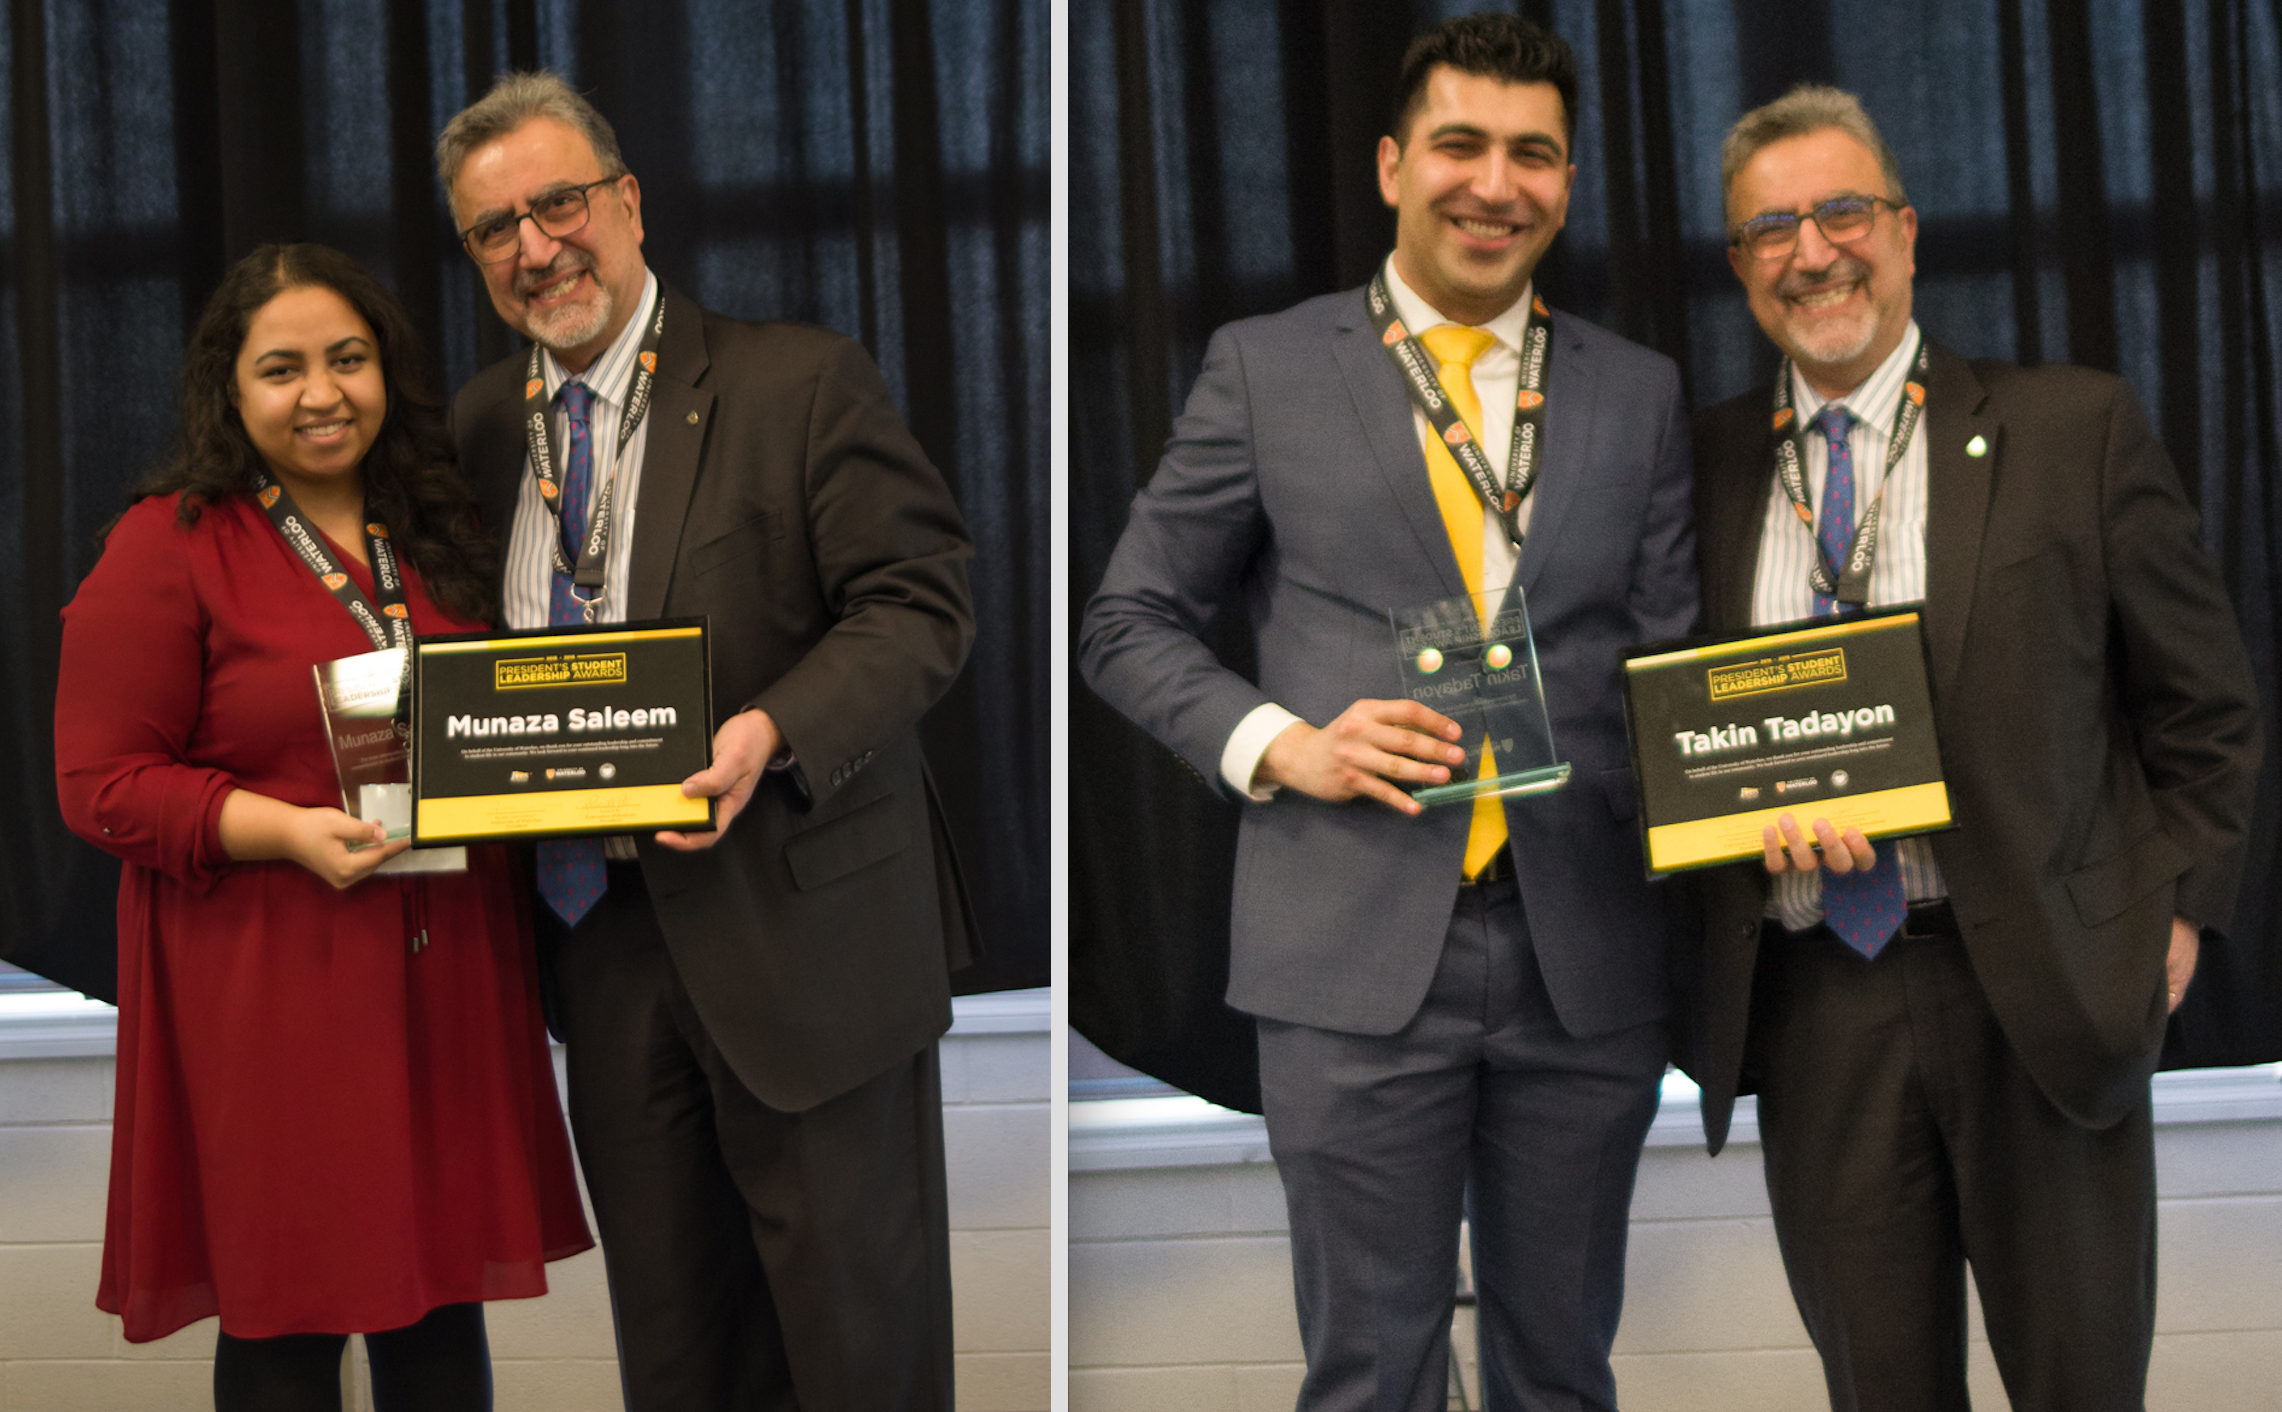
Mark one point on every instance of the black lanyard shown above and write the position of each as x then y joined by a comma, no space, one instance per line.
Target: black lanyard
1851,587
1417,367
587,573
391,625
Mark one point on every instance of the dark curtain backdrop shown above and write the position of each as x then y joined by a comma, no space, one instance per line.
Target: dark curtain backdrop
876,166
2096,183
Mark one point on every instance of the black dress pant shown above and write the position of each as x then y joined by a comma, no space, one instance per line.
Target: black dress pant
1904,1141
757,1258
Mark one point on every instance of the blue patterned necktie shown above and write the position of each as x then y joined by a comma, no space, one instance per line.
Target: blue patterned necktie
1863,908
571,874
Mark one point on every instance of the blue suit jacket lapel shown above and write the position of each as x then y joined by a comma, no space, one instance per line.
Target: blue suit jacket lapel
1384,410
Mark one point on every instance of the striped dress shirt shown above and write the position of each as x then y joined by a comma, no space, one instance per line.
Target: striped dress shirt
530,572
1780,593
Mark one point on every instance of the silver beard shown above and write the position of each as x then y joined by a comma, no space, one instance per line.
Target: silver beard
1834,342
568,325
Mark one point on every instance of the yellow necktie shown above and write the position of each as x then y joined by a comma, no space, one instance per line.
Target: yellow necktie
1455,347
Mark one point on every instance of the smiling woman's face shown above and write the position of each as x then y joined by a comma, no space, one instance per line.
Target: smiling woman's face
308,387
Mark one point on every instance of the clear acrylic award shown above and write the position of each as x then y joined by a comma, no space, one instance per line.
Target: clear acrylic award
368,724
1472,659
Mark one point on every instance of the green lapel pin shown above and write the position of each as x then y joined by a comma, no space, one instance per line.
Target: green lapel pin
1977,447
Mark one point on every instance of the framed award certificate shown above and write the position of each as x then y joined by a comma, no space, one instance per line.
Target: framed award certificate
1826,719
560,731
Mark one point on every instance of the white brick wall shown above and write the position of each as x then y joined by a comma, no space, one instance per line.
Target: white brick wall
1180,1274
58,1353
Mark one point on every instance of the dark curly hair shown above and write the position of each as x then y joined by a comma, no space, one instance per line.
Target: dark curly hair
1504,47
410,482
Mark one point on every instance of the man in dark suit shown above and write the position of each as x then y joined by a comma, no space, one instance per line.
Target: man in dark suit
1462,1004
751,1013
1951,1036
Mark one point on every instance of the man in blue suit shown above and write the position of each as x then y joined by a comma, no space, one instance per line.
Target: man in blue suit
1459,1008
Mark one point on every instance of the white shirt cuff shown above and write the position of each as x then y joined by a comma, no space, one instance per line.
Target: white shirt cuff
1240,758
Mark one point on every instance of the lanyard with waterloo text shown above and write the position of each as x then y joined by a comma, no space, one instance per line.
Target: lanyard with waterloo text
1850,585
391,625
1425,387
587,573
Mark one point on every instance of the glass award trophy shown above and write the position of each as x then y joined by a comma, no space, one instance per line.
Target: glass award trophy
1472,659
368,724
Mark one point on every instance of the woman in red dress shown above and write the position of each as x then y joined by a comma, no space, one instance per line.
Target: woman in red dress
336,1112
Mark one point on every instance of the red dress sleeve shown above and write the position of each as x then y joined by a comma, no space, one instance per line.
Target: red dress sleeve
128,697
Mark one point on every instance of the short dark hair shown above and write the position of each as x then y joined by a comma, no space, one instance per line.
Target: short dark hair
1504,47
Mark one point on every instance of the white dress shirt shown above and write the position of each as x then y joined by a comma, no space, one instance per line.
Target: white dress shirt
530,578
1780,592
1496,377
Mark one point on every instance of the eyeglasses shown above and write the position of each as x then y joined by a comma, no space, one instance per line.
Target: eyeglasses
1840,219
560,212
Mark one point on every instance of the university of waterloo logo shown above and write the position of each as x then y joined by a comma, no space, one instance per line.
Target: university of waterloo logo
1529,401
1915,393
547,489
269,496
534,387
1395,334
334,581
397,610
377,531
1457,435
1782,418
649,362
1539,305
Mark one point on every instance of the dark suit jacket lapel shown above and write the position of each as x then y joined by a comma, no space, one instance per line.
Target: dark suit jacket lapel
1385,411
494,459
670,449
1741,520
1958,485
1564,463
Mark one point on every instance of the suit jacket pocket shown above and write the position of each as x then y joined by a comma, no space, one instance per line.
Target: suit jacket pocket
855,840
2103,890
736,542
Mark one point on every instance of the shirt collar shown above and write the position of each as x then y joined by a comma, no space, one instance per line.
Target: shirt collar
609,375
1875,401
1418,316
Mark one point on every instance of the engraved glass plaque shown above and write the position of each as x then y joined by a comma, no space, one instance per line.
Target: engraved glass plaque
367,715
1472,659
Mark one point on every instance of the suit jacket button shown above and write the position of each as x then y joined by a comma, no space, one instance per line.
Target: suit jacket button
693,419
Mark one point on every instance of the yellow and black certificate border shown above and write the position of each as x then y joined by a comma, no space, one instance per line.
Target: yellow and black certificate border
1796,657
563,812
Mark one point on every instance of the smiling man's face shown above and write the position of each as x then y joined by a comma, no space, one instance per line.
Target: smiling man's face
1838,310
1480,185
573,294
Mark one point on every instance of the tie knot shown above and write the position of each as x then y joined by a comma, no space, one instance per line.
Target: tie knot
577,399
1834,422
1457,344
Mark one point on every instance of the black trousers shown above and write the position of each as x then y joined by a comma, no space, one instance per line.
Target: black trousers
1904,1141
757,1258
1483,1103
